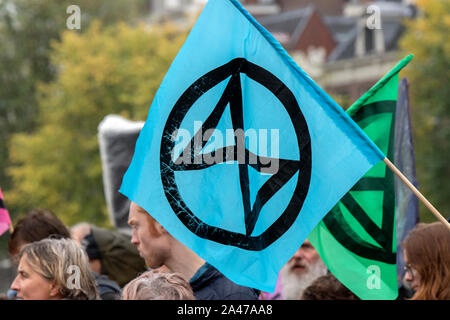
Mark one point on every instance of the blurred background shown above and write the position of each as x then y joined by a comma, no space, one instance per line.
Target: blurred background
59,77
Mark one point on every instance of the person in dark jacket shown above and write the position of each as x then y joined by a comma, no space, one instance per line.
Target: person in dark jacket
110,252
159,248
209,283
107,288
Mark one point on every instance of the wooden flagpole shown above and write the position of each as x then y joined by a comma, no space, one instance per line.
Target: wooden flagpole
417,193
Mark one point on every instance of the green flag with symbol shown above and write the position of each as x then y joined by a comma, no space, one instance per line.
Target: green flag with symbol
357,239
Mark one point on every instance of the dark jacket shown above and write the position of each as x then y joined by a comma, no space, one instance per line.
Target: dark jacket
209,284
107,289
120,259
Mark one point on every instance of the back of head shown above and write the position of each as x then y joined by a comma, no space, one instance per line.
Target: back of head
120,259
38,224
428,250
328,287
65,263
153,285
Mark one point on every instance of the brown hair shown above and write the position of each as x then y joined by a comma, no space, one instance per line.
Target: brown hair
428,250
155,285
38,224
327,287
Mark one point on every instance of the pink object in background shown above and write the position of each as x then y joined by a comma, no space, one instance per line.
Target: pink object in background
276,295
5,220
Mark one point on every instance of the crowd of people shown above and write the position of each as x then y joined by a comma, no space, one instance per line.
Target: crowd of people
86,262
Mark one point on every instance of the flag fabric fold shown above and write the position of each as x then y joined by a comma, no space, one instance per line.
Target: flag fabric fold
407,208
5,220
242,154
357,238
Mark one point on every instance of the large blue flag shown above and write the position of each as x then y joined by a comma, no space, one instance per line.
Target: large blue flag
242,154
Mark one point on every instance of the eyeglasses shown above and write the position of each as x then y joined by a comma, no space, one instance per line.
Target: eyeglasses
409,269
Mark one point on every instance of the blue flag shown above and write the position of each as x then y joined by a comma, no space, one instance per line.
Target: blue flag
242,154
407,207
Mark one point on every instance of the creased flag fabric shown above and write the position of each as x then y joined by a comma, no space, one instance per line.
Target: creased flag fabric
243,202
357,239
407,208
5,220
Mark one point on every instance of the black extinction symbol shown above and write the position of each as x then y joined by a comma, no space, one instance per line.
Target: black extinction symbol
335,220
232,95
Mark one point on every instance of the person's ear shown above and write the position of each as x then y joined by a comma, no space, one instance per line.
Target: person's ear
155,227
161,230
55,290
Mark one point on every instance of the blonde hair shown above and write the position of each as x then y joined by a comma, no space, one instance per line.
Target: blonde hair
55,260
428,249
155,285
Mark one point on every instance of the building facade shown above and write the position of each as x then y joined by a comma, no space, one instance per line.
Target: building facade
346,46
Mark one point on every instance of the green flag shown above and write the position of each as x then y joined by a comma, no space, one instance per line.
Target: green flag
356,239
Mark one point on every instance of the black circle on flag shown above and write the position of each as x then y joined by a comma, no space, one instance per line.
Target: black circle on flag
287,168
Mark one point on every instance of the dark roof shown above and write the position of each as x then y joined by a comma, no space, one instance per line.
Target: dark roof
344,30
288,24
392,31
340,26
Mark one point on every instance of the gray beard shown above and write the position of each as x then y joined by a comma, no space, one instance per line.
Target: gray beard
293,285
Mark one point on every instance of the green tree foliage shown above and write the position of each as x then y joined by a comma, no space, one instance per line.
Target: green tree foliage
429,73
105,70
26,31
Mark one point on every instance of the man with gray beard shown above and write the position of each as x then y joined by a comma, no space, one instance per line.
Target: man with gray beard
298,273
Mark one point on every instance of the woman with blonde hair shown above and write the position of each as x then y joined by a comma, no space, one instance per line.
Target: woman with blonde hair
157,285
427,256
54,269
